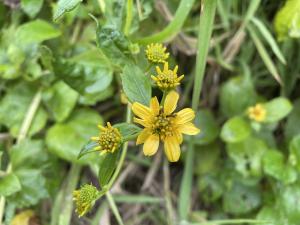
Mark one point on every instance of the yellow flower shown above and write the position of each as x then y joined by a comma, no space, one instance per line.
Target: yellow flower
163,124
85,198
257,113
156,53
167,79
109,139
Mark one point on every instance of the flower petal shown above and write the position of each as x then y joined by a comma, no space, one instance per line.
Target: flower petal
144,123
154,106
178,136
185,115
151,145
171,102
172,149
188,128
141,111
145,133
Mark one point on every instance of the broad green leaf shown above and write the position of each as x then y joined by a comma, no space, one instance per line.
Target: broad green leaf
60,100
277,109
88,148
66,140
33,185
92,99
207,158
107,167
247,156
236,95
235,130
89,73
269,38
32,7
136,85
272,215
9,184
29,154
127,130
294,148
64,6
208,126
210,187
274,165
17,100
36,31
289,204
292,127
287,20
241,199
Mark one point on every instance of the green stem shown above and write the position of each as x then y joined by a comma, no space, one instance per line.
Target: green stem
66,205
174,27
33,107
234,221
114,207
128,17
204,35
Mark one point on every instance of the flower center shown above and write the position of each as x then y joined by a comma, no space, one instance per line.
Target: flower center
109,139
163,125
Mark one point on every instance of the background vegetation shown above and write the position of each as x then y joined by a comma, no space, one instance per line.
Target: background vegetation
60,75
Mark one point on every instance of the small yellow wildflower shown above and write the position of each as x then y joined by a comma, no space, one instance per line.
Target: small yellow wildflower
163,124
85,198
156,53
109,139
167,79
257,113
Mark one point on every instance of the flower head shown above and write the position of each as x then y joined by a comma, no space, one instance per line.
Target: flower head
167,79
85,198
109,138
257,113
156,53
163,124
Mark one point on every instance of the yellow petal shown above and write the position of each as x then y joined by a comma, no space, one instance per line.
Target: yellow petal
188,128
175,69
154,106
158,70
145,133
141,111
178,136
171,102
144,123
172,149
151,145
166,66
185,115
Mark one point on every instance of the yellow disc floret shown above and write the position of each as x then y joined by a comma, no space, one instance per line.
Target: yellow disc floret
163,124
167,79
156,53
257,113
85,198
109,139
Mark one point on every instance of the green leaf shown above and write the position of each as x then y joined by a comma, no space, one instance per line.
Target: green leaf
114,45
277,109
89,73
60,100
67,139
287,20
292,127
33,188
241,199
237,95
294,148
207,158
274,166
127,130
271,214
29,154
9,184
209,127
107,167
32,7
136,85
64,6
235,130
247,155
210,187
17,100
36,31
88,148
